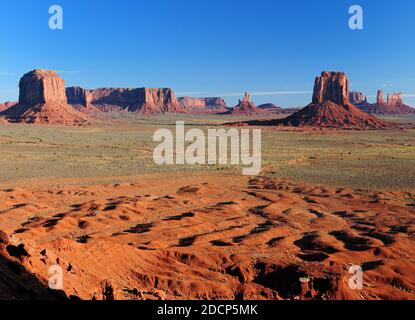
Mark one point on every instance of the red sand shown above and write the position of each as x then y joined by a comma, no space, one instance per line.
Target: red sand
207,238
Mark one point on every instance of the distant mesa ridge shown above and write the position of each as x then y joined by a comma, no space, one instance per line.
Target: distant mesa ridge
269,106
141,100
203,105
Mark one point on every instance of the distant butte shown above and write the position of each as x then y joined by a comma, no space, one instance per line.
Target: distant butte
394,105
42,100
357,98
245,107
330,107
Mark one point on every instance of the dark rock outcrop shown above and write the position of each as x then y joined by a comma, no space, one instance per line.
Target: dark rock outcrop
6,105
42,100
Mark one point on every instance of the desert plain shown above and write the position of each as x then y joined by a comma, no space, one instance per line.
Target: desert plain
91,200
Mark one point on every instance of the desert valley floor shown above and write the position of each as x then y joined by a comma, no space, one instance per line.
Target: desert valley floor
91,200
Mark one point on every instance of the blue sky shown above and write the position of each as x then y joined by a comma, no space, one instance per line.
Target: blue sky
271,48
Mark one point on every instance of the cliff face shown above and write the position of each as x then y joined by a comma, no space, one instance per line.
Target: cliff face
78,96
331,86
157,101
141,100
331,106
42,100
203,105
41,87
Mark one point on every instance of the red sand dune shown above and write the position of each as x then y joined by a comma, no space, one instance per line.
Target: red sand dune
207,238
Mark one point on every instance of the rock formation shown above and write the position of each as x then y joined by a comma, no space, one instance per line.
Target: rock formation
331,106
41,87
357,98
245,107
157,101
80,99
380,99
42,100
270,108
395,98
141,100
203,105
394,105
333,86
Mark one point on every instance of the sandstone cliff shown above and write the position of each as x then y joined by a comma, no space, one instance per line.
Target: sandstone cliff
41,87
331,86
157,101
80,99
203,105
141,100
42,100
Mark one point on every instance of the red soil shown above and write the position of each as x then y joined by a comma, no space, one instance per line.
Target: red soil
207,238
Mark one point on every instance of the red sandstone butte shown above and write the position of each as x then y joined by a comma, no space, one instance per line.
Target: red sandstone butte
245,107
393,105
42,100
331,106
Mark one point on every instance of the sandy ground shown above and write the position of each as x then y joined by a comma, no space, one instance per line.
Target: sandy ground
207,237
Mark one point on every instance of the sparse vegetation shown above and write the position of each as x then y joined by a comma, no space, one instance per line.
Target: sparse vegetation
120,151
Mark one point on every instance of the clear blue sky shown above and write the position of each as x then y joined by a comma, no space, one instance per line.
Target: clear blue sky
271,48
